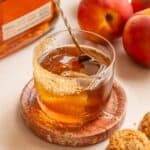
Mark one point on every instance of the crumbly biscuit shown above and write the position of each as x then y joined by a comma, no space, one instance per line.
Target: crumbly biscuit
147,147
128,140
145,125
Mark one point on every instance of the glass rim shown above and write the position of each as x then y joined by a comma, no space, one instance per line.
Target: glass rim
92,33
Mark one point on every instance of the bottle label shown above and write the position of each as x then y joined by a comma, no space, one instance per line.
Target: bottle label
27,21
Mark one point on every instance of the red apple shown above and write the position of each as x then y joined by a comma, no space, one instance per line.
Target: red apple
140,4
105,17
136,37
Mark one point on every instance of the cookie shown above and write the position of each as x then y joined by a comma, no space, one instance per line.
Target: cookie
145,124
128,140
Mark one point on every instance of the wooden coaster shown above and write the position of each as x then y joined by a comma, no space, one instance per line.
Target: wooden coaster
91,133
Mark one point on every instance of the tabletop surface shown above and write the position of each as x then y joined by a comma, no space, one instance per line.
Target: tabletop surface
16,71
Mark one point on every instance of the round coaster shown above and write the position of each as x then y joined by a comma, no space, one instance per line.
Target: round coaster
91,133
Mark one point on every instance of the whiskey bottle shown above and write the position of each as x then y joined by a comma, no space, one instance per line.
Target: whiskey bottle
23,21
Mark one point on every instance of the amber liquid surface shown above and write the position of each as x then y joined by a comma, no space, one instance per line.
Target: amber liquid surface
75,109
11,10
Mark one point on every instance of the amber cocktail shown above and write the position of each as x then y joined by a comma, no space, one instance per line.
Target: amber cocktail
72,91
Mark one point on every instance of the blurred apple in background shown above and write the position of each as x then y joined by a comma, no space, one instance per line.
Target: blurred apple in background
136,37
105,17
140,4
